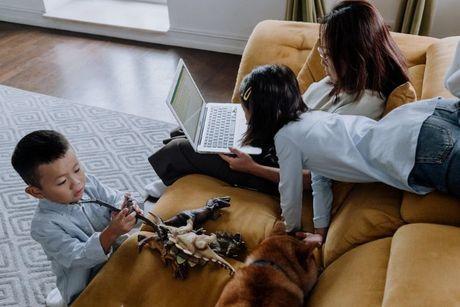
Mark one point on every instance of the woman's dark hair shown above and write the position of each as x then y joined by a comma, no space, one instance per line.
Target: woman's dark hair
361,50
272,96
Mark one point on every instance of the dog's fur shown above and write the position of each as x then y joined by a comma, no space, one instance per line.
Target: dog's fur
283,284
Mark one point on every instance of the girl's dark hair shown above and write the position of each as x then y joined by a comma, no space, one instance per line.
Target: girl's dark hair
271,94
361,50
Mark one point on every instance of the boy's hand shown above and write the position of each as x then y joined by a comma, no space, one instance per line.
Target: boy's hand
122,222
242,162
131,204
137,209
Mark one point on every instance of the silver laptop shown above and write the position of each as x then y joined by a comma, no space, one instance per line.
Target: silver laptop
210,127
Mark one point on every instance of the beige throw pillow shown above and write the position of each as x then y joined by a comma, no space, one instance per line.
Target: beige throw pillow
401,95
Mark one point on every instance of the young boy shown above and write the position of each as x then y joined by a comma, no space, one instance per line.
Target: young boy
77,238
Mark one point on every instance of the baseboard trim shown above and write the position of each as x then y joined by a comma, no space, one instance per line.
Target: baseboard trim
209,34
174,37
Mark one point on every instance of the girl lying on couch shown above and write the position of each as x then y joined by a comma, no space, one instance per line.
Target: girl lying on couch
415,148
360,78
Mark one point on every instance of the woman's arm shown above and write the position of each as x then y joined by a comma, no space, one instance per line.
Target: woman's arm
243,162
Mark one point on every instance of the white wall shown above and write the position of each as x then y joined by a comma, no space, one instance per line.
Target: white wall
447,19
25,5
51,4
233,18
216,25
388,9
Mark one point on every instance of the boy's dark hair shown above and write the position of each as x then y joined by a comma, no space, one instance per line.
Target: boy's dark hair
271,94
361,50
37,148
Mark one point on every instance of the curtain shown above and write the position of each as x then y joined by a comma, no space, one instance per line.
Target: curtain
415,16
305,10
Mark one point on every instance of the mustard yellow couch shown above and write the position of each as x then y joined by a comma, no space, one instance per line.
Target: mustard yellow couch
385,247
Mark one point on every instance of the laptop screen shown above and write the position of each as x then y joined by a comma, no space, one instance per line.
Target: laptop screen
187,102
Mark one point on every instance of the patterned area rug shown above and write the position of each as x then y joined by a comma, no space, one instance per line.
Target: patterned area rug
113,146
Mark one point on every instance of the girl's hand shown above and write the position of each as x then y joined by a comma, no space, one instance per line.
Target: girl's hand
306,180
241,163
122,222
307,237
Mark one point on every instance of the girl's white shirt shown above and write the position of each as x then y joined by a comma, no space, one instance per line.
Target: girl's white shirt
318,97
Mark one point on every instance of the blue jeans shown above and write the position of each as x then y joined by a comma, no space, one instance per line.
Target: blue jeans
437,159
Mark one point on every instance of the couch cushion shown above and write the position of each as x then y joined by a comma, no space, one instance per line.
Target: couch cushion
312,71
436,207
290,43
340,191
137,279
438,62
424,267
355,279
251,213
401,95
414,47
277,42
370,212
416,75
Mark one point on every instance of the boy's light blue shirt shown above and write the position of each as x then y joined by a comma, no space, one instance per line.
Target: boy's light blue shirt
69,235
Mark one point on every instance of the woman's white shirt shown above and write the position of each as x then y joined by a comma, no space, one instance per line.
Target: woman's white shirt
317,97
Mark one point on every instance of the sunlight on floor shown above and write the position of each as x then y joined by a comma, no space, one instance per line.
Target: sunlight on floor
119,13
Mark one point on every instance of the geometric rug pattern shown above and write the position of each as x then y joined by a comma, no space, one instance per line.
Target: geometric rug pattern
113,146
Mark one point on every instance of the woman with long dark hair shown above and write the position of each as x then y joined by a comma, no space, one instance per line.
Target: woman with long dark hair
363,66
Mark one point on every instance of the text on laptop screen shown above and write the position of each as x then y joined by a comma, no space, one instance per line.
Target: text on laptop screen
187,103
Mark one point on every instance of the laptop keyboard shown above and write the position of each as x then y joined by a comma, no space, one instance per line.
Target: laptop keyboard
221,127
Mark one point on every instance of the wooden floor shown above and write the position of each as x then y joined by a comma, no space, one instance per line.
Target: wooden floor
121,75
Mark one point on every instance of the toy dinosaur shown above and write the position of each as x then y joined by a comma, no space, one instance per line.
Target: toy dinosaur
182,246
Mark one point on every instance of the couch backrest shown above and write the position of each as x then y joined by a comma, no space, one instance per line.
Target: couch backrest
290,43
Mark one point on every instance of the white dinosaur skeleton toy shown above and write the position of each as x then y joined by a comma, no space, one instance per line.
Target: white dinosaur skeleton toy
182,246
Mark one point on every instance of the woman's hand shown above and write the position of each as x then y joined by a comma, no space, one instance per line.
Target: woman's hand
241,163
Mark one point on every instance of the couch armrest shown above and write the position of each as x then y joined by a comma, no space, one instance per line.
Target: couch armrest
439,58
277,42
